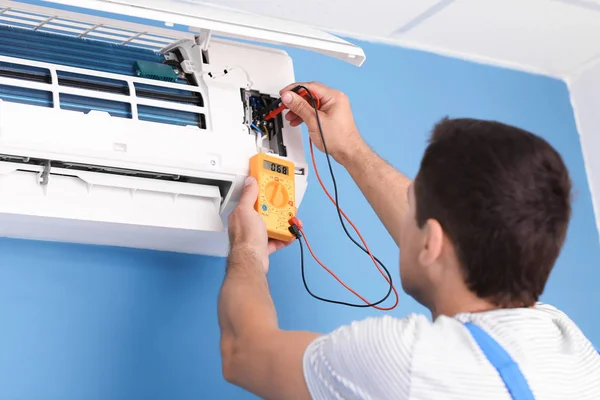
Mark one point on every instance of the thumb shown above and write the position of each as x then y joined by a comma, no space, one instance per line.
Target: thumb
250,194
299,106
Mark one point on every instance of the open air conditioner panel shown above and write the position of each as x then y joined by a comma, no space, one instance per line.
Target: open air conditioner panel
118,130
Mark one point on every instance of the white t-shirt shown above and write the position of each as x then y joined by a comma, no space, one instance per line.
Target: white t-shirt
412,358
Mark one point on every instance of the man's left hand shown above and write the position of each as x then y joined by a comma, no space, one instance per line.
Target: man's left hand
247,230
256,354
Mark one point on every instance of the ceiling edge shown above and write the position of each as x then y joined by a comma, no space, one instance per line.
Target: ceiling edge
577,71
425,15
586,163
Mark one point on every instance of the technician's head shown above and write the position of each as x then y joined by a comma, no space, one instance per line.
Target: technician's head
488,215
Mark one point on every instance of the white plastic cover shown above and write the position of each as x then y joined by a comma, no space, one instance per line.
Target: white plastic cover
229,23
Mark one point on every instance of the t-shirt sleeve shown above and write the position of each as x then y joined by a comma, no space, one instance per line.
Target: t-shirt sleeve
369,359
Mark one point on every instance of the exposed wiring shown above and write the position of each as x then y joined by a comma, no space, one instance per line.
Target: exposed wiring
261,135
256,128
335,200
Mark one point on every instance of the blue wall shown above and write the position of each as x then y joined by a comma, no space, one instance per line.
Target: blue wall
82,322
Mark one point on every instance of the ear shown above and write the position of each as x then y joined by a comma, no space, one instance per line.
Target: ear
433,242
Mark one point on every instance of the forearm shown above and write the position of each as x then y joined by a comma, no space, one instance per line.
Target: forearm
385,188
245,305
256,354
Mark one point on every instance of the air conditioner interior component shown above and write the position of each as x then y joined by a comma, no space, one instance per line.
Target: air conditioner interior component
117,130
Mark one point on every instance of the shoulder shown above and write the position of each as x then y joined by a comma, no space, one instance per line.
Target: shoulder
371,332
365,359
552,312
376,328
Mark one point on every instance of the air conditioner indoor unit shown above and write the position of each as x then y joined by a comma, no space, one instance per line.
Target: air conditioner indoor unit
130,122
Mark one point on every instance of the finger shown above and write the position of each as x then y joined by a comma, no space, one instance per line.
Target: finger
299,106
291,117
296,121
291,86
272,246
250,194
275,245
324,93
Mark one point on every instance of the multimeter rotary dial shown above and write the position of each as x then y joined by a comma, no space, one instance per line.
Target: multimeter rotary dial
277,194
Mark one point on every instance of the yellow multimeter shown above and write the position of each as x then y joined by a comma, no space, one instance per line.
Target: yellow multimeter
277,194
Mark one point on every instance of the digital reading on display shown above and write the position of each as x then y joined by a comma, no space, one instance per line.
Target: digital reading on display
280,169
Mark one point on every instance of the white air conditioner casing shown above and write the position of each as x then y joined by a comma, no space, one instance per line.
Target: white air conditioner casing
63,201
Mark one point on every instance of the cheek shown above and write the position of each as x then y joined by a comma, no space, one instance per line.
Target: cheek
405,249
408,234
409,245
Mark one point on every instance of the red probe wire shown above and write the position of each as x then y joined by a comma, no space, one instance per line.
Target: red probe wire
315,101
312,153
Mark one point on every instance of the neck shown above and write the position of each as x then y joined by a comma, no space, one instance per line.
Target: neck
457,303
451,294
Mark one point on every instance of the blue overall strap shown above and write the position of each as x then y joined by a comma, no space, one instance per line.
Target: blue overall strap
508,369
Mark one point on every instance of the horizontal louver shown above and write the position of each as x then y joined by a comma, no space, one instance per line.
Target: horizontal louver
81,81
27,96
87,104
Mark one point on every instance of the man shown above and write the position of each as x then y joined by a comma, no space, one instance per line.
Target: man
479,230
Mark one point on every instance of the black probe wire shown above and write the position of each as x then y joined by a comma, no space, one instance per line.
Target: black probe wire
337,206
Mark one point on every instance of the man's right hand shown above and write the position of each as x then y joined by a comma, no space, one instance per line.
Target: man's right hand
340,132
385,188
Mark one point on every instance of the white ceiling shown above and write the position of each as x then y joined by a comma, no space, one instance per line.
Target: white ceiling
549,37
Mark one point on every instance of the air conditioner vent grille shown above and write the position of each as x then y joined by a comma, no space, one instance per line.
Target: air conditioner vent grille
91,76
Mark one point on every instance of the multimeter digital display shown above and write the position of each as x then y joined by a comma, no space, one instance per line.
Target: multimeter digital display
277,193
280,169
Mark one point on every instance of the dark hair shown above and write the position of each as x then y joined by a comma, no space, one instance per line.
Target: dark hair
502,195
